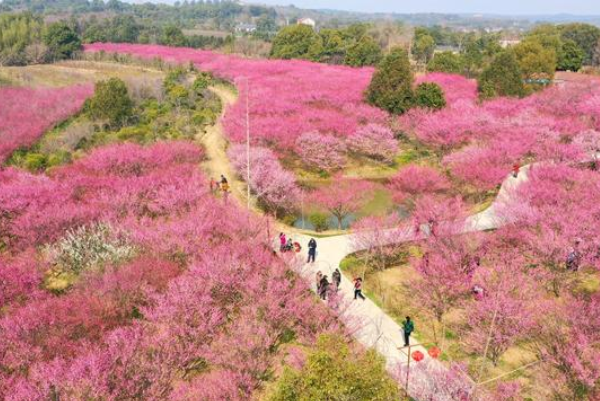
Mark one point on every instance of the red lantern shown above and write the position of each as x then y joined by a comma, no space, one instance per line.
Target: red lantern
434,352
418,356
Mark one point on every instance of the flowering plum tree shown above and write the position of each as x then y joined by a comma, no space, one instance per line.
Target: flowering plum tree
322,151
507,310
269,181
375,141
347,196
417,180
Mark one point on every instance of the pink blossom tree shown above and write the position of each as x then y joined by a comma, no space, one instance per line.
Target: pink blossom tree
322,151
416,180
507,310
375,141
269,181
344,197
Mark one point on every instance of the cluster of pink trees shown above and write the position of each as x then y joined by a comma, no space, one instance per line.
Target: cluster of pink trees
328,153
199,312
481,141
286,98
520,286
26,113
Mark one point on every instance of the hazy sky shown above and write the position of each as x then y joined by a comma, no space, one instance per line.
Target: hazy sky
582,7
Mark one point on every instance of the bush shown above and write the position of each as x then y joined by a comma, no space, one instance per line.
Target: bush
430,95
334,372
319,221
59,157
36,162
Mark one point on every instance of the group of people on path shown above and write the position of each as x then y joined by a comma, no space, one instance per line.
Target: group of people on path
287,244
222,185
324,286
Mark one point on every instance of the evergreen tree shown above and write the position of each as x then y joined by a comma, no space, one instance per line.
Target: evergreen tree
571,56
173,36
295,41
391,86
446,62
430,95
334,372
110,102
364,52
61,40
502,77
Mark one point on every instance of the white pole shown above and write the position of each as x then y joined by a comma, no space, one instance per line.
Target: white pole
302,206
248,141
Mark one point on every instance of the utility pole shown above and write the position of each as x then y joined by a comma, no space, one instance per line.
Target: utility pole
248,141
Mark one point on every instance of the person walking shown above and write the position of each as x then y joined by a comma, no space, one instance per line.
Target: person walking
213,185
515,170
319,276
282,242
224,180
324,287
358,288
312,250
336,277
408,327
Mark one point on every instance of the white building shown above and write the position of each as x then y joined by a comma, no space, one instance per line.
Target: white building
509,42
307,21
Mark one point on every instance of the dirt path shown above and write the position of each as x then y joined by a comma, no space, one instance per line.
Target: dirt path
215,143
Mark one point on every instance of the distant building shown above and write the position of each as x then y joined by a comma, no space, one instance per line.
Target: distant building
443,49
509,42
307,21
245,28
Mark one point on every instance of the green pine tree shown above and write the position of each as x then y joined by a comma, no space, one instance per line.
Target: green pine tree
502,77
391,85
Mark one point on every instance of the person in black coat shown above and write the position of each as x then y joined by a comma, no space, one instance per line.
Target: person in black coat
312,250
323,287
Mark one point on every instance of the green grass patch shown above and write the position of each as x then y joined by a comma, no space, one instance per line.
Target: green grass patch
380,205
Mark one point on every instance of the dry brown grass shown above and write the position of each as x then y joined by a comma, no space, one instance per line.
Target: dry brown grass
75,72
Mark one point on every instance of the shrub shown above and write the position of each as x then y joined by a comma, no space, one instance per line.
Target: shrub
430,95
375,141
322,151
335,372
319,221
90,247
36,162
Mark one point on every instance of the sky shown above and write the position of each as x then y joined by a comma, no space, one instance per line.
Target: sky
511,7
